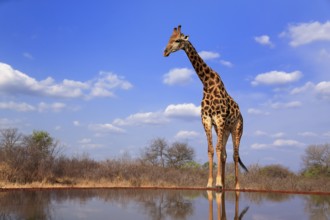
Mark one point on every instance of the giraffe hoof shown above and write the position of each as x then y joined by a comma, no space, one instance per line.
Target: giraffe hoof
218,187
209,184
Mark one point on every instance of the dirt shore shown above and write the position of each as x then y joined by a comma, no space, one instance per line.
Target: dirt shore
79,187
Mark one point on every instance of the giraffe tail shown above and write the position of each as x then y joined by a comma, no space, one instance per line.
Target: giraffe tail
242,164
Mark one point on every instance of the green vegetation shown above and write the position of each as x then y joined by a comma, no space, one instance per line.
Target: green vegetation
36,160
317,161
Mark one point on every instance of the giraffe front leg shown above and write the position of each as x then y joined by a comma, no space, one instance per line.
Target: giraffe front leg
207,123
221,151
218,182
221,157
210,179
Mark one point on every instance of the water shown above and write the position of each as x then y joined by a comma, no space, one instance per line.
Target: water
160,205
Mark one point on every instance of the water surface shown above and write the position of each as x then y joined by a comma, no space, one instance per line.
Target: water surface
160,205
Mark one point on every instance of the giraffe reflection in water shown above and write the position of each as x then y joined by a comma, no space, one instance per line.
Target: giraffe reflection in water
221,205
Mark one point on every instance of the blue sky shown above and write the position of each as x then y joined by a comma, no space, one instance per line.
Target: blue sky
93,74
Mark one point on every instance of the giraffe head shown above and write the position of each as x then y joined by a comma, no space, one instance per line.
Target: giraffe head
176,42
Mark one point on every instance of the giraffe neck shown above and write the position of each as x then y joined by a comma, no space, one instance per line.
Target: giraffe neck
204,72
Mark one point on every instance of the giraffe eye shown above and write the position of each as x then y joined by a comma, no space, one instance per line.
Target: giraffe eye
177,41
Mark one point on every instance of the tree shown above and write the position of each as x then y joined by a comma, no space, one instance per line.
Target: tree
9,138
179,154
41,143
9,142
158,153
155,152
316,160
29,157
41,150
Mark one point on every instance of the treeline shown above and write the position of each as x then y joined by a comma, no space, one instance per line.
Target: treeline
26,159
37,157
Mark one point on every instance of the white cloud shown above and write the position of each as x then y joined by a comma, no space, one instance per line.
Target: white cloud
181,111
9,123
324,54
15,82
264,40
321,89
178,76
226,63
73,84
110,81
85,141
208,55
20,107
100,92
276,78
305,33
28,56
281,105
105,128
263,133
307,134
258,146
105,83
286,142
307,86
55,107
186,134
326,134
76,123
151,118
24,107
254,111
57,128
186,110
278,143
278,135
260,133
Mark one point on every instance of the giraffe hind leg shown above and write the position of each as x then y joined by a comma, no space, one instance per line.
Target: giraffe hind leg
224,156
222,135
236,136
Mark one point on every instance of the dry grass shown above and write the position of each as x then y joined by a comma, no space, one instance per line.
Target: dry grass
34,161
257,179
111,173
85,172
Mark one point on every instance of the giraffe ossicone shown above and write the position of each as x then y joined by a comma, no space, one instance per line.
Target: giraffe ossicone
218,110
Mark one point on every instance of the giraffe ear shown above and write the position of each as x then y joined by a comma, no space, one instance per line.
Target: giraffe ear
179,28
186,38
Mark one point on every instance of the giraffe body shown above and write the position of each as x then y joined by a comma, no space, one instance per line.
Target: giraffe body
218,109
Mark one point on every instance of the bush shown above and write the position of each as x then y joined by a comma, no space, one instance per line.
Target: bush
275,171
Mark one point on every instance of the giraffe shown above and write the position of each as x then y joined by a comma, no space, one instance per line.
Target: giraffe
218,110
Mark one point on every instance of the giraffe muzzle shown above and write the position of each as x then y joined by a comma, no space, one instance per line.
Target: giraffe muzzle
166,53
